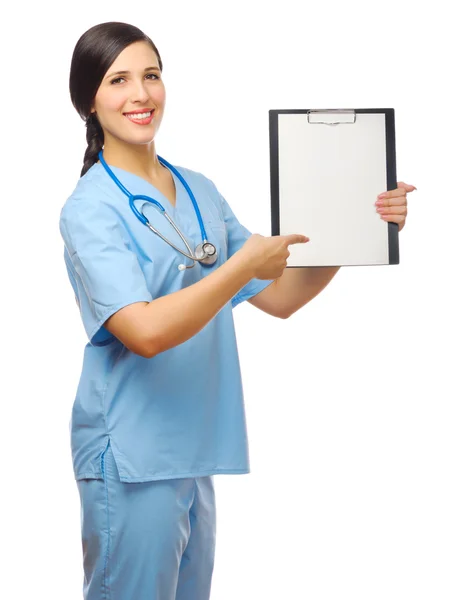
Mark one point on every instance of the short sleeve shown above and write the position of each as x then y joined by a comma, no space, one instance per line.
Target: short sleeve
104,272
237,236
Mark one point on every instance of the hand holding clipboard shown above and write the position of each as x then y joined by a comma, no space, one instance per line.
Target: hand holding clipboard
326,168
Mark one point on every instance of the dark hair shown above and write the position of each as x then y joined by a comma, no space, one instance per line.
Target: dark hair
94,53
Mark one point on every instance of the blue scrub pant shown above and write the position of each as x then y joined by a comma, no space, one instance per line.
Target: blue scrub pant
147,541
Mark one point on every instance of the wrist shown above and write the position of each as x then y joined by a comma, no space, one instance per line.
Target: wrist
245,263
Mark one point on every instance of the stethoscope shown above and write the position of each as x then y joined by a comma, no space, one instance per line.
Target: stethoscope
206,252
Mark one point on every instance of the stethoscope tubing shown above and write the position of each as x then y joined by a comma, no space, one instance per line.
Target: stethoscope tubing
141,217
190,256
131,197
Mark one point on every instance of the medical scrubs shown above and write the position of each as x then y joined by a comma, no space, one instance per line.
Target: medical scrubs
170,422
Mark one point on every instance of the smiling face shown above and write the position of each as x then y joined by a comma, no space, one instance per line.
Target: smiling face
138,89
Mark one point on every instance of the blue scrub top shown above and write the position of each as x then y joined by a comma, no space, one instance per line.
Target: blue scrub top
180,413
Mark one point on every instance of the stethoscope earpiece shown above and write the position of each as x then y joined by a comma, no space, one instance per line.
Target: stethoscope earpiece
206,252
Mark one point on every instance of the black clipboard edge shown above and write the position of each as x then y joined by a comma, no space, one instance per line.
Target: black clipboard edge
391,170
274,172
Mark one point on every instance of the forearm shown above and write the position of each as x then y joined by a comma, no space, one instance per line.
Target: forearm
177,317
299,285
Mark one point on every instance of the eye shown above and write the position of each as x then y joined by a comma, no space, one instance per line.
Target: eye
119,78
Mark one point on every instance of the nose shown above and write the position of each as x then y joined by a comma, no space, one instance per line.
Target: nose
140,93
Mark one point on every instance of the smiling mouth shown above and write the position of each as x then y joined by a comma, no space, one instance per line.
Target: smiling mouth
140,118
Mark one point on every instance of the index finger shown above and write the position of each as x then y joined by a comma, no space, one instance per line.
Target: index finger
294,238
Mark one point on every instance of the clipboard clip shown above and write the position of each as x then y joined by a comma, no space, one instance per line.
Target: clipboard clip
326,116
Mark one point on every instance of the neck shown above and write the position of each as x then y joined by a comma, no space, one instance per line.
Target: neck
140,159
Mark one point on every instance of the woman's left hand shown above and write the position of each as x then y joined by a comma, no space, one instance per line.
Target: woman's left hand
392,205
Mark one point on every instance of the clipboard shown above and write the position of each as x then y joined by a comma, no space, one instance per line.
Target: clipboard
327,167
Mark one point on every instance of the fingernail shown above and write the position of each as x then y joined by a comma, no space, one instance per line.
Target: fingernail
383,195
379,203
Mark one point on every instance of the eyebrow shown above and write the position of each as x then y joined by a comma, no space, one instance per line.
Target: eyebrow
126,72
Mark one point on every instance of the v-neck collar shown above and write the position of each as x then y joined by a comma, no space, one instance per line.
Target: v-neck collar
159,196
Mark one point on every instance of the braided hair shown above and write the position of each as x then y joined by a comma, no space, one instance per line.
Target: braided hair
95,142
94,53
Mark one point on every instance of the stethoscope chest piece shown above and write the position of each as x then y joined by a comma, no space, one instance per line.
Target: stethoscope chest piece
206,252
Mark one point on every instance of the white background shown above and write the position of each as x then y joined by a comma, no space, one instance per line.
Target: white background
354,403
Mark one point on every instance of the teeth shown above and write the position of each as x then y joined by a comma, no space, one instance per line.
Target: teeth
139,116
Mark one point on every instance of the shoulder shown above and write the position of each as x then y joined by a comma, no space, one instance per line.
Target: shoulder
90,195
90,207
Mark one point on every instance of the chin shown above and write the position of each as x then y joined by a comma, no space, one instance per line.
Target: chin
136,140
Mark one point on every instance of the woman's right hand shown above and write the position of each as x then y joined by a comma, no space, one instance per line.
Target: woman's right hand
267,255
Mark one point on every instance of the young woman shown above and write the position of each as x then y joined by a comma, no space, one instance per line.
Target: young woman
159,406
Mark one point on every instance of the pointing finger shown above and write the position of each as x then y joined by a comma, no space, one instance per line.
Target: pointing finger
295,238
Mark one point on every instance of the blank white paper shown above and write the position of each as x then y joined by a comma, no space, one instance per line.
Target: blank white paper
329,180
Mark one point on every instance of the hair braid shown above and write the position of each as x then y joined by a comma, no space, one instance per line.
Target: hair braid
95,141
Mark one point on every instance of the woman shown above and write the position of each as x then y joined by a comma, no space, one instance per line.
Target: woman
159,406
